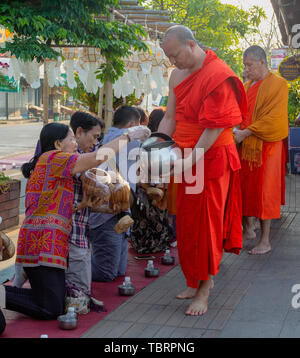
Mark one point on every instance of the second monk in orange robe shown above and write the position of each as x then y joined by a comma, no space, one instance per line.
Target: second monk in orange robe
262,150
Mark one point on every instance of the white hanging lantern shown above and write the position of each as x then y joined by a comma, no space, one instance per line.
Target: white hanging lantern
69,68
51,73
31,72
14,68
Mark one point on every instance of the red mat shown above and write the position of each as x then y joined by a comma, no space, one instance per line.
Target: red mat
21,326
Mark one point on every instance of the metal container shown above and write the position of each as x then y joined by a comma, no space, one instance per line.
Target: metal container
153,272
168,260
157,152
68,320
126,290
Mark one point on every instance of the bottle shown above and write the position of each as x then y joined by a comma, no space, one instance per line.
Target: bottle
126,289
167,259
150,270
68,320
44,336
127,282
150,265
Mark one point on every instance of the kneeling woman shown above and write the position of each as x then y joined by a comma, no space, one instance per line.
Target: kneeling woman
42,246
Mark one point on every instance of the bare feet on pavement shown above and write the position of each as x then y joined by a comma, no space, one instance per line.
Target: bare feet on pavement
249,234
190,292
200,303
260,249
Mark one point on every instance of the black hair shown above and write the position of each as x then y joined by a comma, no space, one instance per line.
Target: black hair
143,115
84,120
50,133
154,119
125,114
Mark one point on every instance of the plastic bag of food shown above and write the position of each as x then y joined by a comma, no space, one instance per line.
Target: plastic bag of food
96,190
119,193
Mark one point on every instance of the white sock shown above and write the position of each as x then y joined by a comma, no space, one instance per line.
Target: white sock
2,297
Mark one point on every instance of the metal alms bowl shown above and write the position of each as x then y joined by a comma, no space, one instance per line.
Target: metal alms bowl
65,322
157,152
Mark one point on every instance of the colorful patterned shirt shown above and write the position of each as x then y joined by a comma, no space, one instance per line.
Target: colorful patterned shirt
44,234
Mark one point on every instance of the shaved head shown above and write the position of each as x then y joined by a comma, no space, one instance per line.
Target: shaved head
257,53
182,34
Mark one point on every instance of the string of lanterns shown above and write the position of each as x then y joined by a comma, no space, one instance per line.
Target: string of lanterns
146,72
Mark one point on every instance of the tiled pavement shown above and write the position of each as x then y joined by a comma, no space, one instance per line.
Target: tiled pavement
252,297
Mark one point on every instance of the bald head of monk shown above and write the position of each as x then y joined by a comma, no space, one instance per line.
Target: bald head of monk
255,62
182,49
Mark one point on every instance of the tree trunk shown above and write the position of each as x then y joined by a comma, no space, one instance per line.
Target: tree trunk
100,102
108,105
45,96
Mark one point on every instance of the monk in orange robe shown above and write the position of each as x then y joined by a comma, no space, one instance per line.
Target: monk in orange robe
262,150
206,99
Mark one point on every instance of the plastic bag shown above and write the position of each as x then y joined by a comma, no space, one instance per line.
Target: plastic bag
95,186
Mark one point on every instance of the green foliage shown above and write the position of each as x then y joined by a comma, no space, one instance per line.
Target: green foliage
38,26
219,26
294,100
4,82
4,183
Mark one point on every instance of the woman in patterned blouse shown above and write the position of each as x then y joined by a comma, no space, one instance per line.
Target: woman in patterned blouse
42,247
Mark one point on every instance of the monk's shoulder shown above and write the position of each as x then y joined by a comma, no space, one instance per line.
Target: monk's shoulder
177,76
280,81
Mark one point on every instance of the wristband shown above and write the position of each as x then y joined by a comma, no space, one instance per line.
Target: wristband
127,135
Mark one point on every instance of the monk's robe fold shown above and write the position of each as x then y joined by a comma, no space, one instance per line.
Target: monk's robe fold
209,222
263,153
171,196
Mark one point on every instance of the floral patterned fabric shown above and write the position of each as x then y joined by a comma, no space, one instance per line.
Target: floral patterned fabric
151,231
43,237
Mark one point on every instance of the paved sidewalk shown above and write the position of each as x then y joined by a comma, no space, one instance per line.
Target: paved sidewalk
252,297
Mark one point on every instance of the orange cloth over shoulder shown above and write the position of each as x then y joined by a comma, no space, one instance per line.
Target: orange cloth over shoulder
196,99
269,119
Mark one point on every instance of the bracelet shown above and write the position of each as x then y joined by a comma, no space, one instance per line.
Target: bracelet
127,135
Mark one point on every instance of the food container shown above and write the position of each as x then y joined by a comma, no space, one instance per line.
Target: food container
168,260
126,290
157,152
153,272
68,320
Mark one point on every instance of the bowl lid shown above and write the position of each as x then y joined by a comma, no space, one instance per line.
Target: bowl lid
157,140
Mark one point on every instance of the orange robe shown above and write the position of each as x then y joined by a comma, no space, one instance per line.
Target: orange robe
263,184
171,196
209,222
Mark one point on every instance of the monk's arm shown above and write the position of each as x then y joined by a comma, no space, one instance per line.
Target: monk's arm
207,139
168,124
241,134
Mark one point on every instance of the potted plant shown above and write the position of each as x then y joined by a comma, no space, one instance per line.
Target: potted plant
9,201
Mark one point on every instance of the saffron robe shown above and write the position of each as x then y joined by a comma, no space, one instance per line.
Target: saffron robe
210,221
263,185
171,196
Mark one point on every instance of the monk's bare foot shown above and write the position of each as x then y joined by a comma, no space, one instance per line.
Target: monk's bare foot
249,234
260,249
188,293
200,303
256,224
